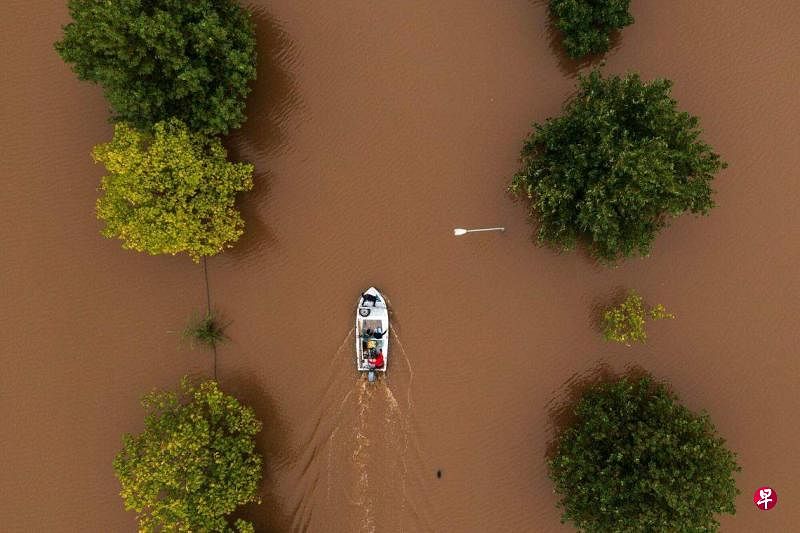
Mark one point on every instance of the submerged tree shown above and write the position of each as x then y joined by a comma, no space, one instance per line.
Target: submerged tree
206,329
194,463
638,460
615,166
158,59
587,25
625,323
170,191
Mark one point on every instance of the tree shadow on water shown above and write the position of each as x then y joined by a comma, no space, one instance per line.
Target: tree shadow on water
601,303
267,516
561,408
269,106
274,96
257,235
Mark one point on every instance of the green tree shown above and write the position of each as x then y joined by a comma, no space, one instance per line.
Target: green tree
158,59
194,463
170,191
611,170
586,25
638,460
625,322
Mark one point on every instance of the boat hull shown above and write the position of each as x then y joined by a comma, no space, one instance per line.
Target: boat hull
371,313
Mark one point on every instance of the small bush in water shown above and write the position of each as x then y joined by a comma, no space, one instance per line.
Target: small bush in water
638,460
206,329
625,322
194,463
587,24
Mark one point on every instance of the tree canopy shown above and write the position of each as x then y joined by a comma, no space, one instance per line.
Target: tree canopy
586,25
194,463
170,191
159,59
637,460
611,170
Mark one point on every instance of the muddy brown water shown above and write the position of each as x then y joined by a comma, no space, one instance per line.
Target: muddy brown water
376,128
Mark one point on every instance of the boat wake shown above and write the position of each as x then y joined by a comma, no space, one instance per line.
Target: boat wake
413,465
360,459
361,455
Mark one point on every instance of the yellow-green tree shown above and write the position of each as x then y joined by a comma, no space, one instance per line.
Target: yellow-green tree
194,463
170,191
625,323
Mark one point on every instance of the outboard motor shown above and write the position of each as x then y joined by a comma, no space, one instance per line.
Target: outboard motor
372,376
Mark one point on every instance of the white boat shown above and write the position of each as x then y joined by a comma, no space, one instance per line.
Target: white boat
372,333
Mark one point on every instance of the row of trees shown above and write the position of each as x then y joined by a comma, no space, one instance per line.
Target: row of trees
610,172
635,459
176,76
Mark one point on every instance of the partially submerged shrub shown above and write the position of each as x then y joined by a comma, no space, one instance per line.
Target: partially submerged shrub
206,329
587,25
638,460
159,59
625,322
617,164
170,191
194,463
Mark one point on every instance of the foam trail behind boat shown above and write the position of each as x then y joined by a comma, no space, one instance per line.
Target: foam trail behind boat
361,459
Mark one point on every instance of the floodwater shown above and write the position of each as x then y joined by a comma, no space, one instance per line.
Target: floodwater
376,128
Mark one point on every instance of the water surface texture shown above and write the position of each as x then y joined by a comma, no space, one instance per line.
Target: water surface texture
376,128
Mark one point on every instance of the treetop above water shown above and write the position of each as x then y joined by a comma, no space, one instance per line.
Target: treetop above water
615,166
162,59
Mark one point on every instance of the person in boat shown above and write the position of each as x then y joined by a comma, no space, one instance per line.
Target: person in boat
378,334
368,298
376,361
367,333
